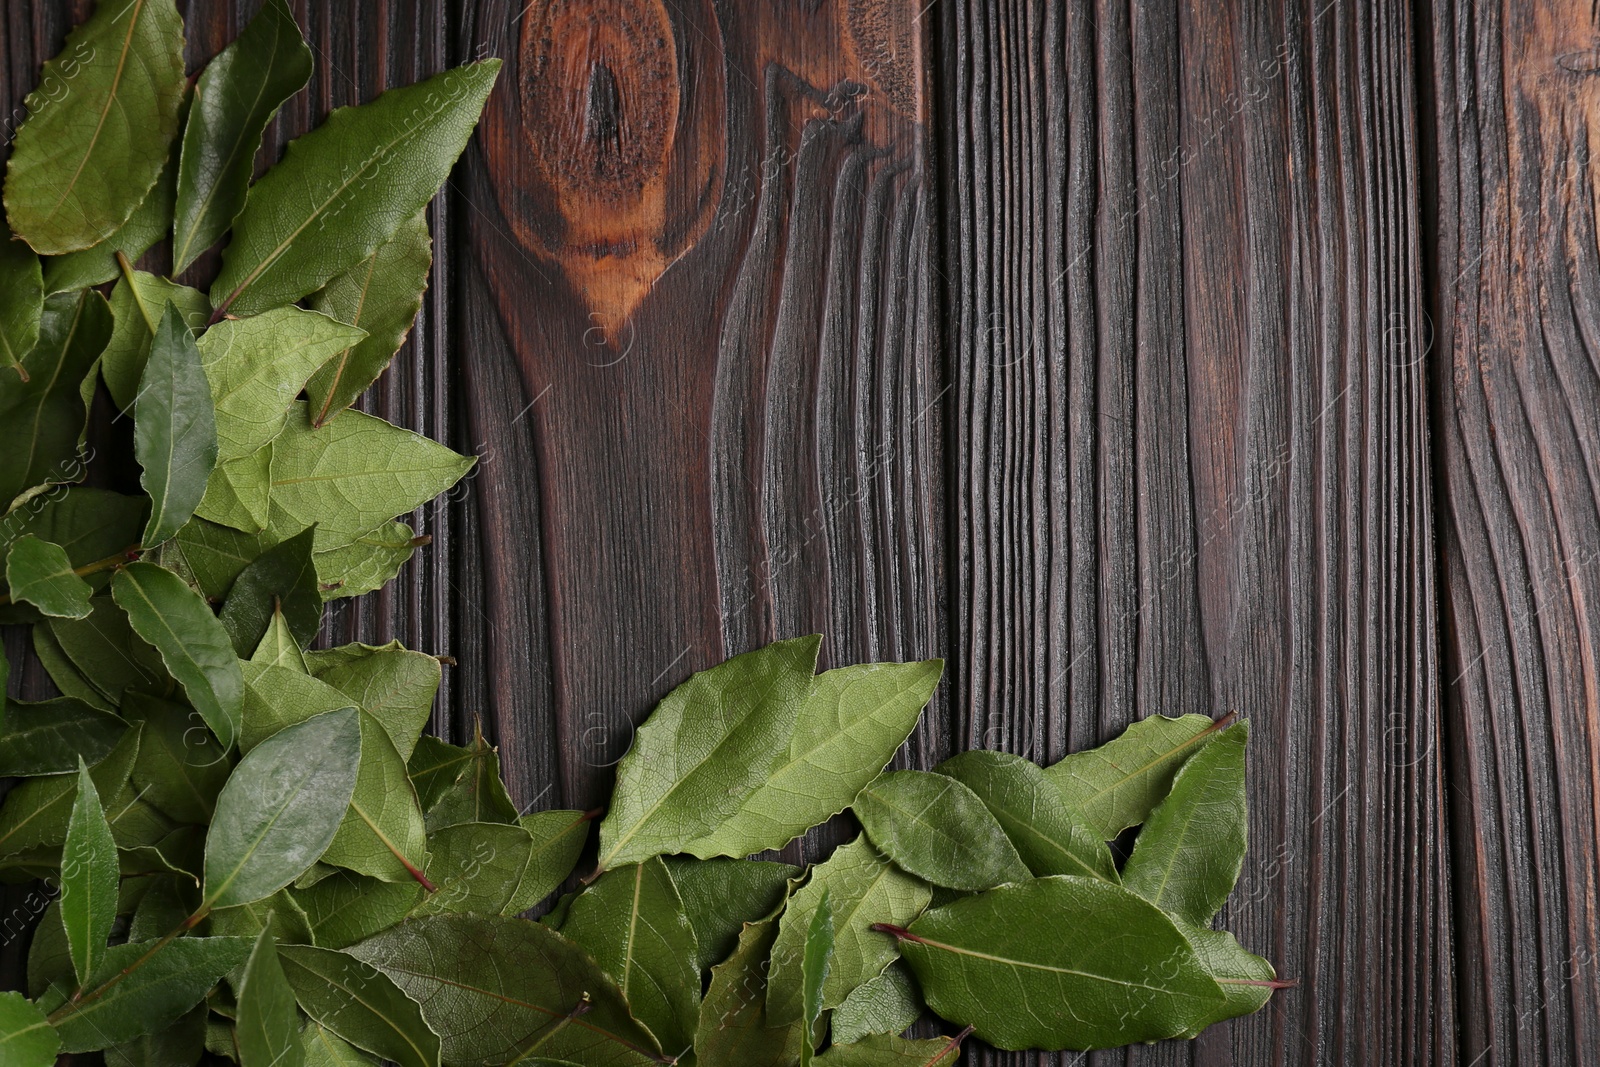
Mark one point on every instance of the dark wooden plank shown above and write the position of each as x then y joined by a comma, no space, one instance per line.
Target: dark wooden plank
1191,468
699,356
1517,310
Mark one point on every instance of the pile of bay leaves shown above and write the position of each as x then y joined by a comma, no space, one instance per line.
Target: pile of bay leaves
247,850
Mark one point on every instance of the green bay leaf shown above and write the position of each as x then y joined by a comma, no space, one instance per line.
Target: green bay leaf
50,736
40,573
268,1022
239,493
280,582
938,829
181,768
1118,784
721,895
733,1026
1247,980
887,1050
98,126
360,1004
345,188
382,834
239,91
174,428
137,304
89,879
35,813
393,683
369,562
194,647
815,957
23,284
150,222
26,1037
887,1004
705,749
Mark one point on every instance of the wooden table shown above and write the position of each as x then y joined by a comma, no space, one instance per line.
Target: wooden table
1135,358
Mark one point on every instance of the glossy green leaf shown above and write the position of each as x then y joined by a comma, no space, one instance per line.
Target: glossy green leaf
239,493
279,647
179,1045
1120,783
1128,972
488,1013
381,294
815,957
938,829
356,473
158,988
108,654
887,1004
478,868
346,907
268,1022
1247,980
1050,837
239,92
150,222
281,808
49,737
324,209
847,730
98,127
633,923
864,889
369,562
174,428
733,1027
95,527
181,768
276,696
41,418
1190,850
257,366
705,750
288,920
324,1048
88,879
457,785
172,617
361,1005
23,286
282,579
41,573
382,834
137,304
216,554
35,813
393,683
26,1037
886,1050
721,895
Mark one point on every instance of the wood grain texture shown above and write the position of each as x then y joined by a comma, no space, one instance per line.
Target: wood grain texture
1517,113
1191,466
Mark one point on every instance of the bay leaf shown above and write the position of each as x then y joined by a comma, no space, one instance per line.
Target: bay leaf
49,957
238,93
150,222
381,294
1247,980
174,428
279,647
23,284
324,209
458,785
93,526
938,829
34,815
721,895
41,573
281,911
382,834
360,1004
1050,837
865,889
157,989
109,655
848,728
500,869
633,923
181,768
1119,784
281,807
89,879
734,1027
324,1048
355,473
276,696
98,127
886,1050
1127,973
1190,849
50,736
391,682
268,1022
179,1045
26,1037
705,749
887,1004
815,957
346,907
257,366
282,580
369,562
239,492
137,304
194,647
216,554
41,418
555,1002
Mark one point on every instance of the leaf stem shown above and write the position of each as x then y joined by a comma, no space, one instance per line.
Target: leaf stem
81,997
109,563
